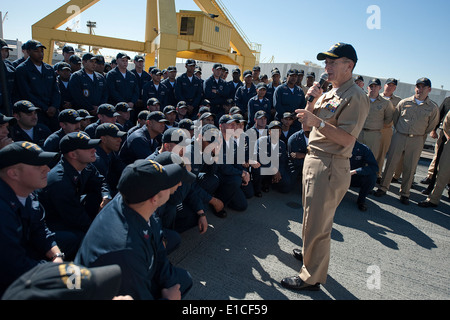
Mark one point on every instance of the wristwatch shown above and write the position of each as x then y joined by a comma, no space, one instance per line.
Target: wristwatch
59,255
321,126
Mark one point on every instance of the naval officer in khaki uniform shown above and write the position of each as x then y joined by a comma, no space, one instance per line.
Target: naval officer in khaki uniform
443,109
380,114
335,120
414,119
443,174
386,133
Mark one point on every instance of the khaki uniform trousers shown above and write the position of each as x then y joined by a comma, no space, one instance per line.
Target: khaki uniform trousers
371,138
436,148
408,150
443,176
386,137
326,179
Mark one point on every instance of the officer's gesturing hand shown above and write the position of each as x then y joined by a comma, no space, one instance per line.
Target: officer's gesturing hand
172,293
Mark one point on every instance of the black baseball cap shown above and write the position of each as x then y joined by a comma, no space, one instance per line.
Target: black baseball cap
210,133
64,65
27,153
74,59
68,49
171,69
153,101
24,106
359,78
70,116
311,74
288,115
175,135
392,80
206,115
256,68
34,44
274,124
134,183
226,118
375,81
167,158
169,109
66,281
339,50
123,107
108,110
187,124
261,85
4,45
292,72
4,119
259,114
139,58
217,66
121,55
143,115
182,104
157,116
247,73
156,71
85,114
77,140
239,118
191,62
425,81
89,56
235,110
109,129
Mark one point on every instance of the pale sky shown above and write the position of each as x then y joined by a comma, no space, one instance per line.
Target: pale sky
409,41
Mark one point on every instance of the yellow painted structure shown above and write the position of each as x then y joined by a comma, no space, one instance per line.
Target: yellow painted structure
168,34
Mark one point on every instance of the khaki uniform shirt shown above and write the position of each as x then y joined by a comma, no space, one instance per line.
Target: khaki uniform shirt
393,99
411,118
346,108
446,127
380,114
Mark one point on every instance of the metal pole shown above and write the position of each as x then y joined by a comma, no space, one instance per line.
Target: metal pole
5,93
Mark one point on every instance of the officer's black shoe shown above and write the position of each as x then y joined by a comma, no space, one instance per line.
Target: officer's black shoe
362,206
427,204
425,180
378,180
295,283
221,214
404,200
379,193
394,180
427,191
298,254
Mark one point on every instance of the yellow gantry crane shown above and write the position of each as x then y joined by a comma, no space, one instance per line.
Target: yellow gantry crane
207,35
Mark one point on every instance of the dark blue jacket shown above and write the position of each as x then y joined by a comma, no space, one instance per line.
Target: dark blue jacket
232,88
51,144
171,98
40,89
363,160
110,166
141,80
24,236
162,93
10,76
119,235
254,105
243,95
66,96
263,149
40,133
138,146
297,143
87,93
219,98
190,92
62,196
122,89
285,100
